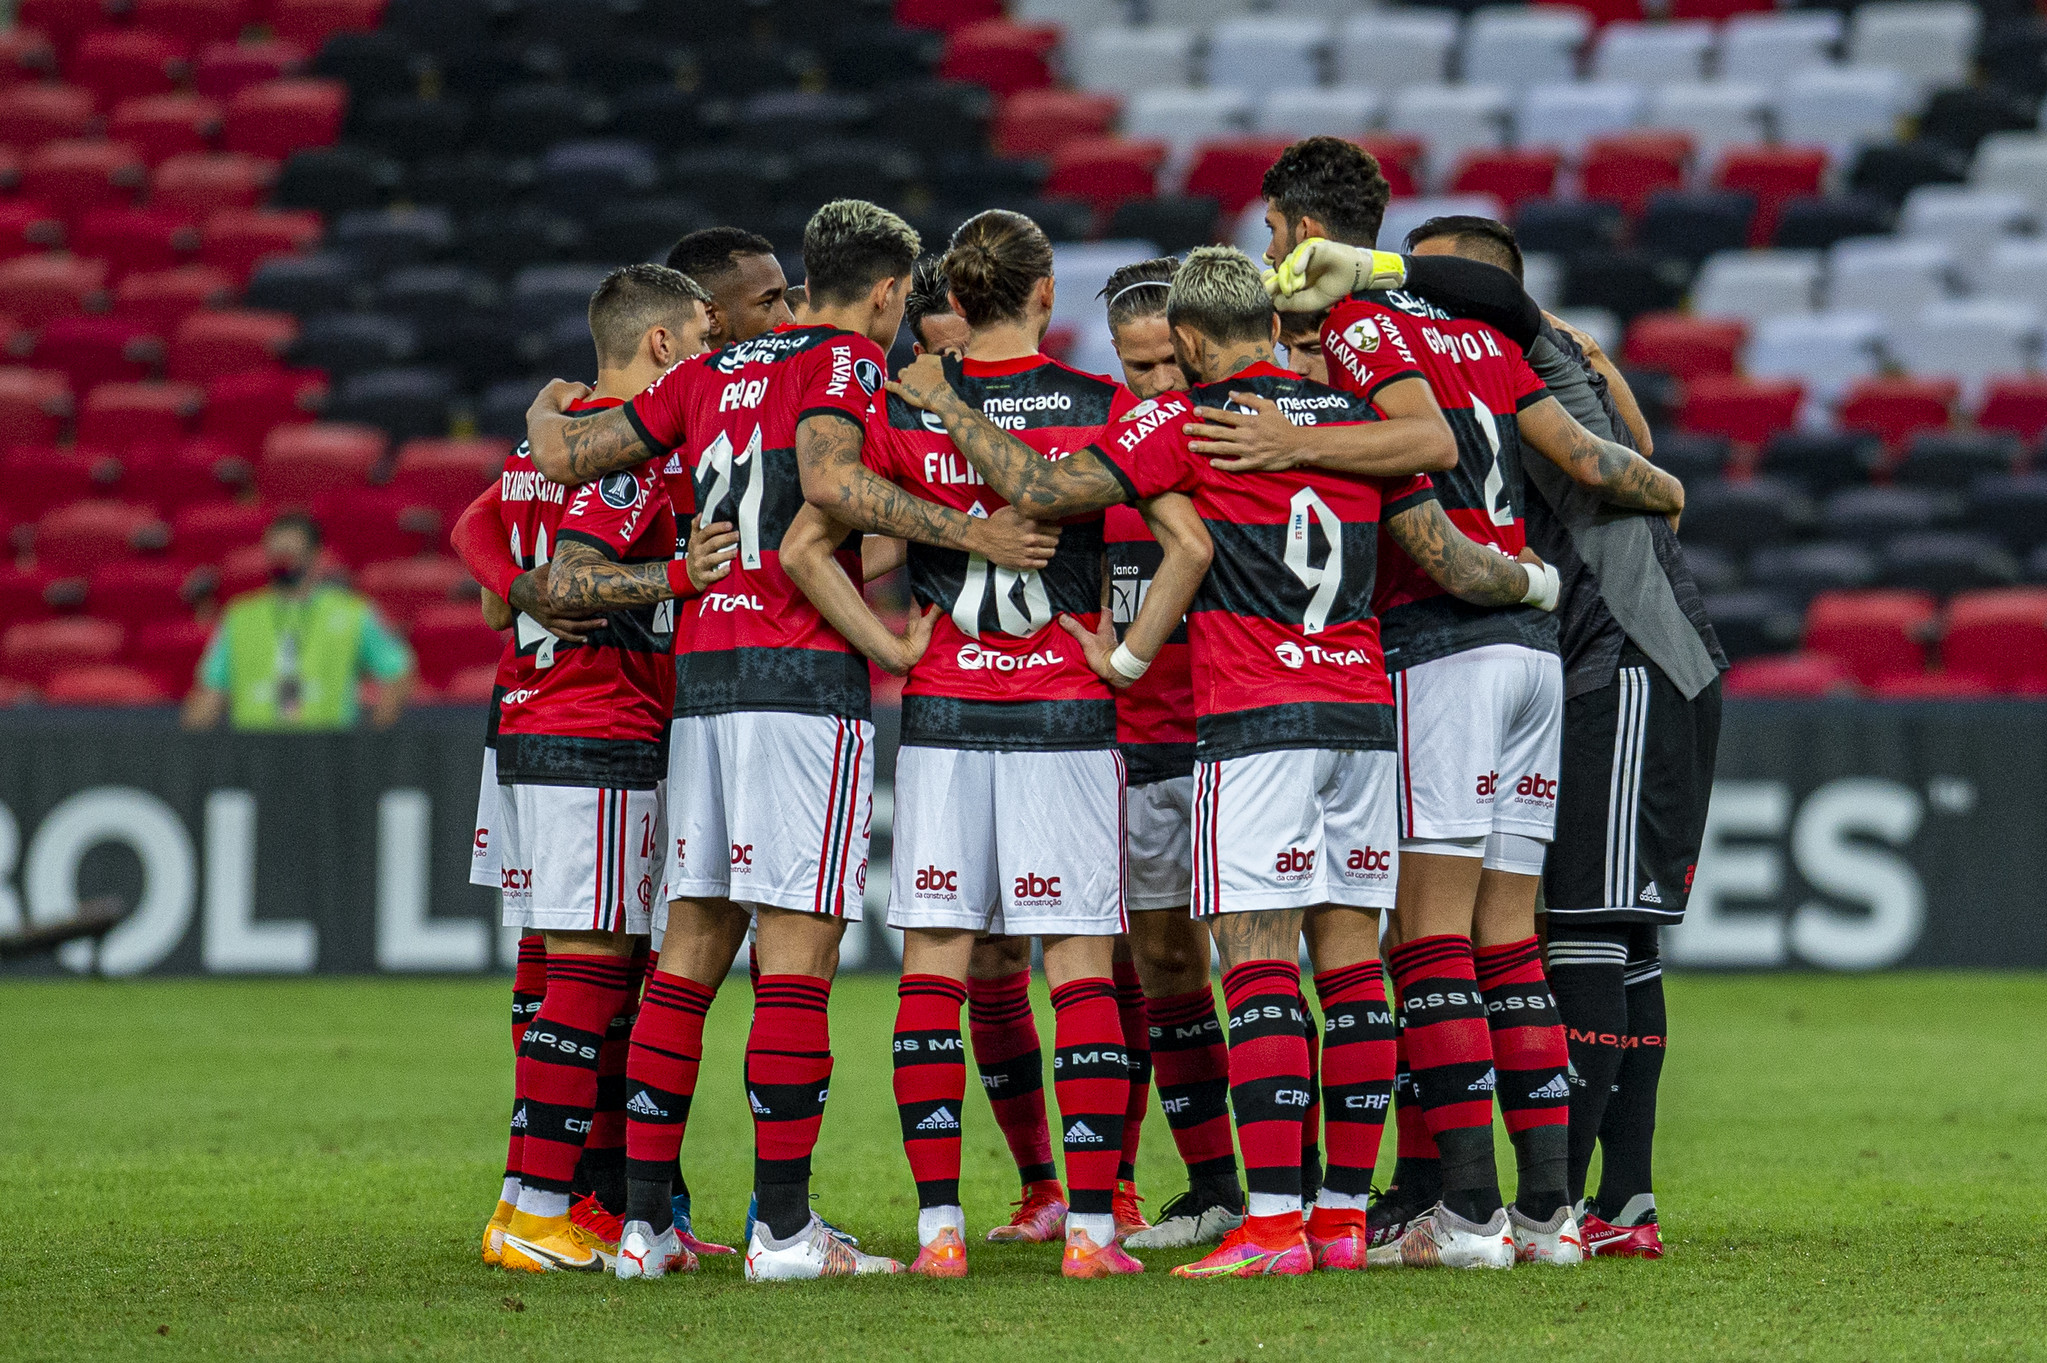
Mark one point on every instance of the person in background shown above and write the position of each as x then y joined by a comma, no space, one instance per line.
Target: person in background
290,656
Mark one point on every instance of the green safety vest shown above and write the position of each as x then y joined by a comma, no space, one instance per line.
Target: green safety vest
271,641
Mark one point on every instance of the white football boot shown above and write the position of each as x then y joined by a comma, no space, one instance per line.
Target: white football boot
815,1253
643,1254
1443,1239
1555,1241
1190,1219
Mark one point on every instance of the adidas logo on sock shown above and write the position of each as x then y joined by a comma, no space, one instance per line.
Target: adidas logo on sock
1483,1084
1080,1133
644,1106
760,1109
1650,894
1555,1088
941,1120
519,1118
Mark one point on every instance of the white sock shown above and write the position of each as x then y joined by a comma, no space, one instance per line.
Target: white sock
1640,1208
931,1220
534,1202
511,1191
1271,1204
768,1239
1100,1227
1340,1202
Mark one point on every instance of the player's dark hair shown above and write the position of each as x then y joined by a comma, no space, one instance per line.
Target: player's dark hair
849,246
295,520
1335,182
1221,294
995,260
1299,324
1480,238
1139,290
634,298
711,255
928,291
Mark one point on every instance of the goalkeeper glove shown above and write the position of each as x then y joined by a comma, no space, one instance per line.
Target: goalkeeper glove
1320,273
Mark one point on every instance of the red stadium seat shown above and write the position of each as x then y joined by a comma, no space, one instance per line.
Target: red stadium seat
1039,122
1509,176
117,63
235,240
449,638
2015,403
134,592
1999,639
97,350
162,126
22,593
945,15
205,182
135,239
41,477
1897,407
280,117
1003,56
194,21
28,227
169,651
1793,675
224,70
469,686
365,525
243,407
106,684
208,345
37,290
1875,634
1774,175
1231,170
1105,171
1931,686
26,55
447,475
33,405
1718,9
301,462
119,413
73,174
171,475
1683,346
1627,168
36,651
1400,159
309,22
404,587
31,115
64,20
1746,410
210,531
74,538
163,299
1604,12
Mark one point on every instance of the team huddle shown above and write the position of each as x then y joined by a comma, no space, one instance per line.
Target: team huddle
1227,659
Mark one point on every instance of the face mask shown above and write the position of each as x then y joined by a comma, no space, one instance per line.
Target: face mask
287,574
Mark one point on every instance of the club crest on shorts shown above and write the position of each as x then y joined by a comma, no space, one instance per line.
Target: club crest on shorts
620,491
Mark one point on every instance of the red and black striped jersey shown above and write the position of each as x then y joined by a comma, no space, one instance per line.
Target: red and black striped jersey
1284,644
755,641
1155,713
1481,380
1001,672
593,713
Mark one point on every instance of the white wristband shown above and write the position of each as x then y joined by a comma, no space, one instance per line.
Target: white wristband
1127,664
1544,585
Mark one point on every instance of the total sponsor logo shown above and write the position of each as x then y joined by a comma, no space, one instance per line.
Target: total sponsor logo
1363,335
842,371
1266,1012
1368,865
933,883
1293,866
766,349
682,852
1031,888
728,602
546,1039
1443,998
520,696
1298,656
974,658
480,844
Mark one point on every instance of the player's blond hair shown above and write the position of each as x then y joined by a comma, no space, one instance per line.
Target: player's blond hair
633,299
1218,292
850,245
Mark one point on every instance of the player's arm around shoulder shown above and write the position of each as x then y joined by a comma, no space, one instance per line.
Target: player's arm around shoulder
1621,476
582,578
807,556
572,450
1411,436
1470,571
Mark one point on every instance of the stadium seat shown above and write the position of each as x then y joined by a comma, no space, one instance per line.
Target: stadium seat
36,290
1816,222
365,525
27,227
1752,623
1955,459
22,593
138,239
1451,121
1968,219
203,182
1716,115
1512,177
449,638
75,174
447,474
1774,175
1892,170
2015,403
1947,561
1104,171
1768,48
1805,570
95,350
1756,285
1517,48
1571,115
1824,351
345,343
470,686
1998,639
1121,61
1630,169
31,115
2016,270
1651,53
1256,53
338,179
42,477
1039,122
243,406
33,403
1175,224
1962,116
1306,111
26,54
170,475
1181,118
194,21
279,117
319,281
1744,516
1970,340
208,345
111,685
169,651
118,63
35,651
1747,411
2014,162
1231,171
1389,49
1871,514
944,15
401,588
406,402
1624,284
1683,346
1935,685
1400,159
1404,215
1819,461
134,592
1692,226
1003,56
1877,635
1895,277
1840,108
387,238
114,414
236,240
411,128
1930,42
374,65
1894,408
299,462
209,531
162,126
1790,676
75,537
224,70
1690,455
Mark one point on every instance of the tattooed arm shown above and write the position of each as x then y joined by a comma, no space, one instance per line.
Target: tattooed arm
1468,570
1622,476
581,578
574,450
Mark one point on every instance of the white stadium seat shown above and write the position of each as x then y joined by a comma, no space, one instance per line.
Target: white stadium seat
1339,110
1197,13
1765,48
1320,9
1755,285
1826,351
1261,53
1542,274
1518,47
1648,53
1072,15
2012,161
1969,220
2016,271
1081,269
1181,117
1894,276
1717,114
1569,116
1841,107
1598,323
1970,340
1453,119
1404,215
1388,49
1931,43
1120,61
1249,232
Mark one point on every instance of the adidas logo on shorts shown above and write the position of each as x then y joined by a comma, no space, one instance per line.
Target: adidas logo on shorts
941,1120
643,1105
1555,1088
1080,1133
1650,894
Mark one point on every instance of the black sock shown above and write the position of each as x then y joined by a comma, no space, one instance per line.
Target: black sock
1585,972
1628,1133
681,1183
647,1199
784,1208
1471,1181
605,1169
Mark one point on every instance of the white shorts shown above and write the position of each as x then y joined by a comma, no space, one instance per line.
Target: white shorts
1159,816
1481,738
483,843
770,807
579,860
1026,844
1292,829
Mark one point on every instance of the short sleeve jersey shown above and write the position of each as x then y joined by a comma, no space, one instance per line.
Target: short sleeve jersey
1155,713
593,713
1285,647
1001,673
755,641
1481,380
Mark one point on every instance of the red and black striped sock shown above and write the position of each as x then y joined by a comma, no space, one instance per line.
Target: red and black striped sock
601,1171
1131,1012
1268,1081
529,986
661,1080
1528,1049
1417,1168
1011,1062
1357,1073
1092,1083
788,1075
1450,1052
558,1072
931,1083
1311,1118
1191,1057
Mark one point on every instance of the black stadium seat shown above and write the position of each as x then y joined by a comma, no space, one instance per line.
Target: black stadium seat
1694,225
1568,226
1174,225
1869,514
411,128
354,342
1821,461
374,65
325,281
335,180
529,119
384,239
1691,456
1891,170
1955,459
1816,221
1626,283
1805,570
1754,622
504,243
410,403
1945,562
472,183
2011,507
1744,516
644,229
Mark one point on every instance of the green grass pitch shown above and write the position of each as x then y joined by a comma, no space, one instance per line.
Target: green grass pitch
1849,1168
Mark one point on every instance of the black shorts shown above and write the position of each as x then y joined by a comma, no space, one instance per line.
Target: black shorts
1636,776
